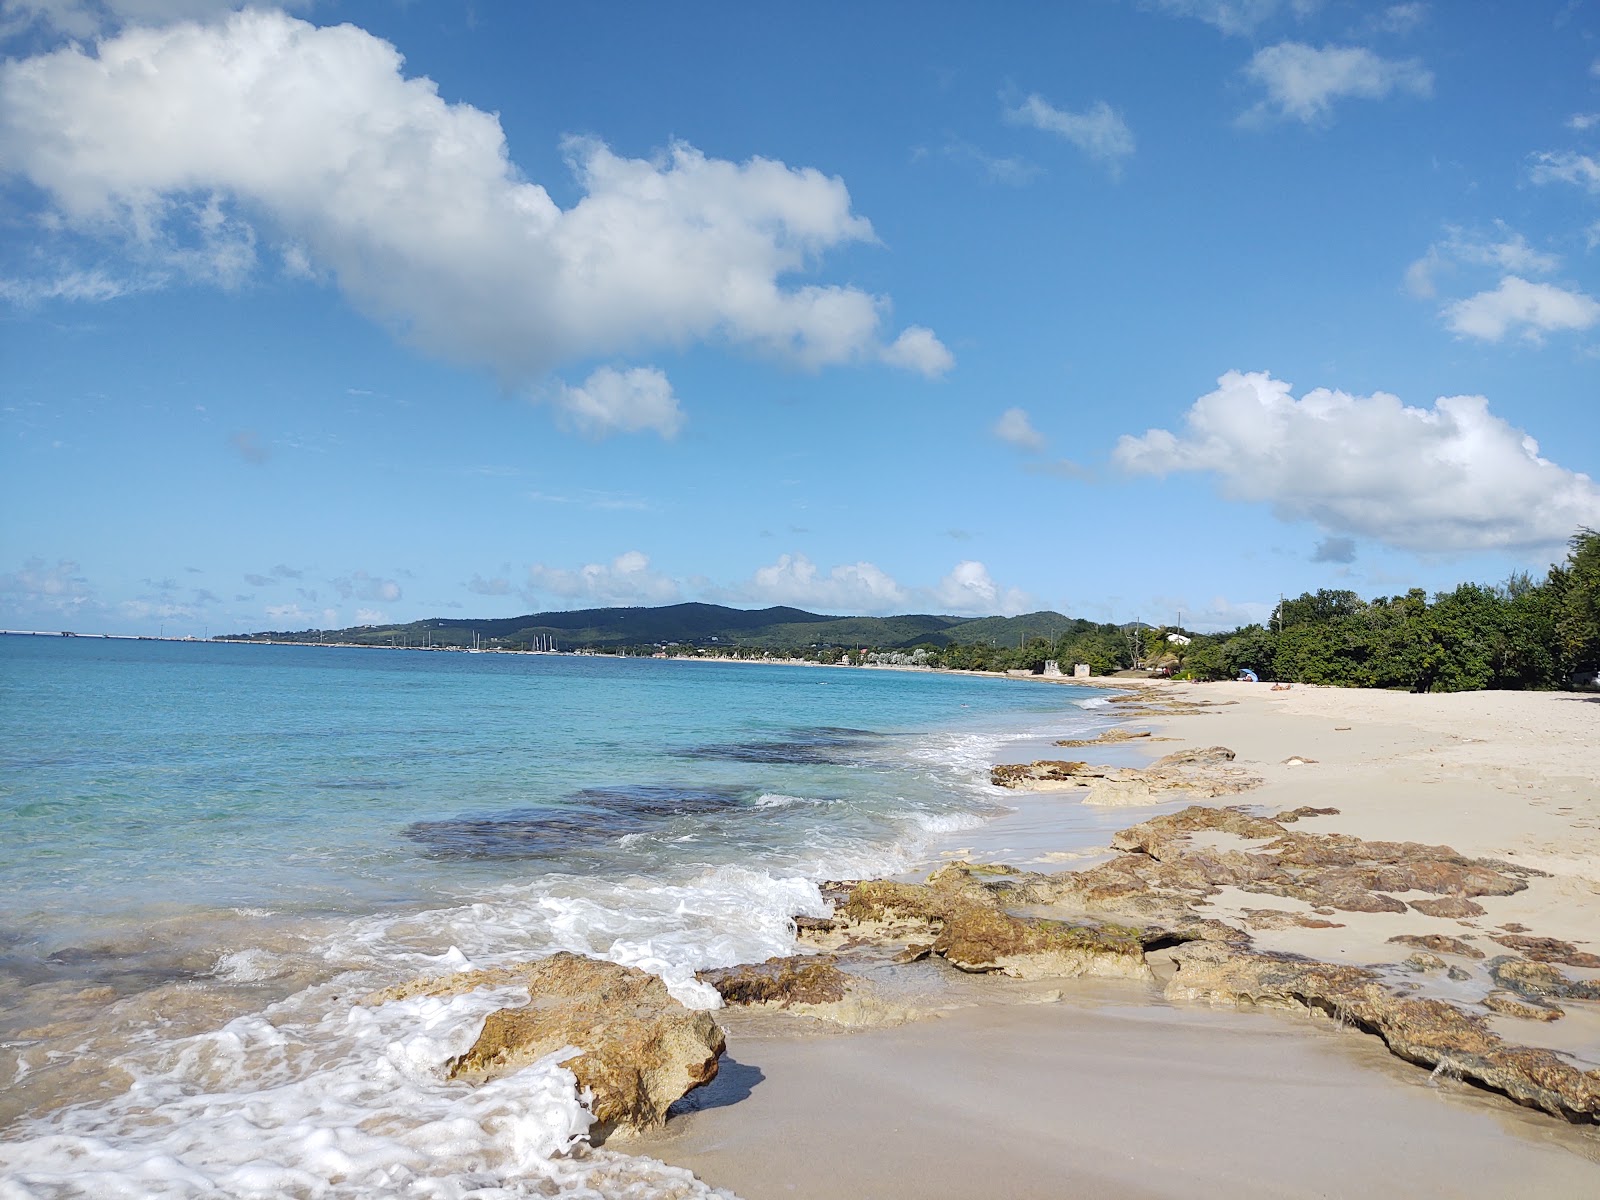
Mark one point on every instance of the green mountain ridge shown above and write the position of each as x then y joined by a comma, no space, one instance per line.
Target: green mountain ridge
693,624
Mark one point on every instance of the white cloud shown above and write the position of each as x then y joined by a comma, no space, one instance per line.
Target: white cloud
613,401
968,590
86,18
1582,122
489,587
40,586
1535,308
180,144
1238,18
1303,82
626,580
1505,250
919,349
360,585
1099,131
1399,18
1451,478
371,616
853,588
1015,427
1335,550
1580,170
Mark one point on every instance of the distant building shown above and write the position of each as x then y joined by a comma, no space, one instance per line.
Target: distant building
1177,639
1080,670
1052,669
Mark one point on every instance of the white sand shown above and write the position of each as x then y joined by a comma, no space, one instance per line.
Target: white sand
1114,1093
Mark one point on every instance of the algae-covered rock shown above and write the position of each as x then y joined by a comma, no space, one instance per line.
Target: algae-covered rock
981,939
1508,1004
784,981
640,1049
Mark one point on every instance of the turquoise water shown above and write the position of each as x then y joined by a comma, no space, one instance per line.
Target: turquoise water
210,841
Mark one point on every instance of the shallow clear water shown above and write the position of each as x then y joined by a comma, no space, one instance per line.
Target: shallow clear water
208,845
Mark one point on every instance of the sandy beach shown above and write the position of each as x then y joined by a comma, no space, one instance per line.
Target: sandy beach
1109,1087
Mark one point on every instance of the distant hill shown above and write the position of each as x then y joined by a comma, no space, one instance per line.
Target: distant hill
700,625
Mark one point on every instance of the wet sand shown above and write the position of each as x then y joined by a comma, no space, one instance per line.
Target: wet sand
1112,1091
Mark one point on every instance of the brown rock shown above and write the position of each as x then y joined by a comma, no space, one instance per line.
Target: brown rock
1211,756
981,940
1296,814
1438,941
640,1049
1448,906
1540,981
1548,950
1277,918
1045,770
1425,960
796,979
1109,736
1507,1005
1430,1032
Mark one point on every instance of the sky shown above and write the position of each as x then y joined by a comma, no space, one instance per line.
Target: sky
355,313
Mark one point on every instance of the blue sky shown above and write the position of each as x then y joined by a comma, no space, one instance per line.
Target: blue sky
371,312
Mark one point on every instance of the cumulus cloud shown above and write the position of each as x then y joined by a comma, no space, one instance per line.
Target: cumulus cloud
851,588
1303,82
625,580
1533,308
613,401
181,145
969,590
1567,166
1015,428
1099,130
1452,478
919,349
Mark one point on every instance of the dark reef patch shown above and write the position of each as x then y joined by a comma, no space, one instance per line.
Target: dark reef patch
825,744
587,818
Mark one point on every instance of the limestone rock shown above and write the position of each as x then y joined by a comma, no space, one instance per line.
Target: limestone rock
1430,1032
1439,942
1425,960
1458,907
1548,950
1508,1005
784,981
640,1049
1276,918
979,940
1540,981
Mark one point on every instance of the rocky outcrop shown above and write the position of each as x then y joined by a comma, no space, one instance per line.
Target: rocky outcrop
1458,907
960,915
639,1049
1438,942
1540,981
1508,1005
1202,773
1547,950
1110,736
785,982
1326,870
980,939
1429,1032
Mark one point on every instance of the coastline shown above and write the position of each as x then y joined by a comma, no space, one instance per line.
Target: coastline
1053,1086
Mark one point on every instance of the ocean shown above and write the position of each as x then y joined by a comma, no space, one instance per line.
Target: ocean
212,850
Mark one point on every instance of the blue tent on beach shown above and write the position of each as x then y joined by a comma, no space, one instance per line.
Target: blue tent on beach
1246,675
